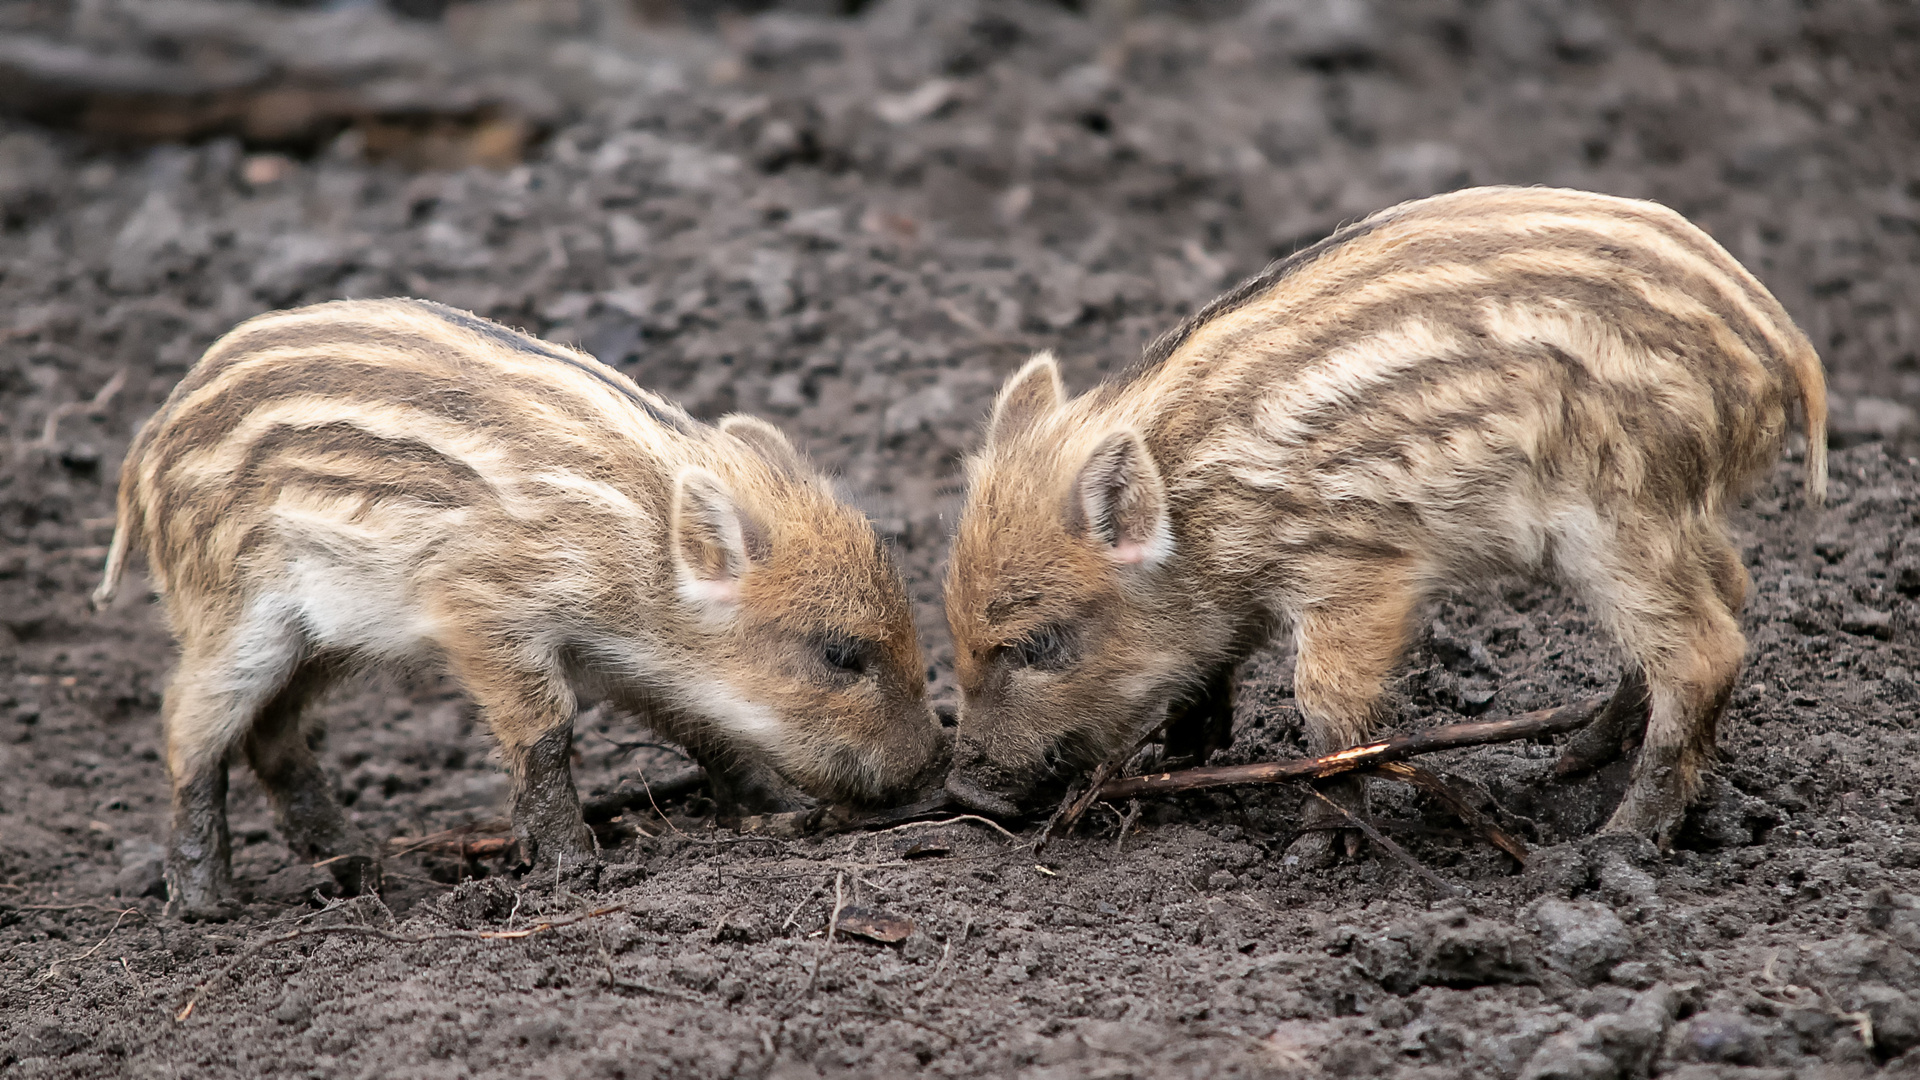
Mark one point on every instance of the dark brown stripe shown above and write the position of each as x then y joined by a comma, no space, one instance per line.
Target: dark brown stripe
1246,292
213,419
1447,244
381,468
1640,324
660,412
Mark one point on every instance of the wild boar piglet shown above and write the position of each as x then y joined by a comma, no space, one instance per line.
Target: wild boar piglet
1493,381
396,481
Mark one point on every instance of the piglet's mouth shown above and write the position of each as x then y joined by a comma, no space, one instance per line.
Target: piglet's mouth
976,798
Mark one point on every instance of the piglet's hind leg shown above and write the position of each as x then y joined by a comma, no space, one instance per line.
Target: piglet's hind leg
303,804
208,707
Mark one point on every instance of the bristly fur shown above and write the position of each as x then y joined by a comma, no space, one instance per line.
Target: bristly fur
390,481
1491,381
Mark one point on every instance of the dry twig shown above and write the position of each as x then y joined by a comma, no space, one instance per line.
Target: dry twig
1126,822
1071,811
94,406
55,966
1440,789
833,923
1387,845
974,818
1532,725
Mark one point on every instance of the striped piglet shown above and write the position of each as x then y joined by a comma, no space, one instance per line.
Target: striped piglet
1492,381
397,481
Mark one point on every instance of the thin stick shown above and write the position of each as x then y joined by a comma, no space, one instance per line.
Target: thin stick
1387,845
55,966
839,905
833,923
795,913
975,818
1067,803
1133,814
1096,785
1064,821
662,814
257,948
1532,725
1440,789
50,431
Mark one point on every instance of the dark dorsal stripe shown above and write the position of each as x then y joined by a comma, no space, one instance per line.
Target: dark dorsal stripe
1250,290
664,415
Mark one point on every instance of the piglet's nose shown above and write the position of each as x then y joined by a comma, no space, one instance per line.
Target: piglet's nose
974,797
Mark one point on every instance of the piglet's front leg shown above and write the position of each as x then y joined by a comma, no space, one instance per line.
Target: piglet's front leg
545,804
1348,644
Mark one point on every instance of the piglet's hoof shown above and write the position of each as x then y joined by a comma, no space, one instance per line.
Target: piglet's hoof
205,911
195,896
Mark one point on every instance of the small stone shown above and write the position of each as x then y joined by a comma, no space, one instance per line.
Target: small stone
1221,881
295,1009
1387,958
142,869
1634,974
1582,939
1866,622
1464,951
1724,1037
1602,999
1609,1045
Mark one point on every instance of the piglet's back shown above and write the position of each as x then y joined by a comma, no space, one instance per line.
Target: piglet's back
395,431
1459,338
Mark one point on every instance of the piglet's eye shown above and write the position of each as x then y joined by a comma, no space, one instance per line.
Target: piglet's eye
1045,649
846,654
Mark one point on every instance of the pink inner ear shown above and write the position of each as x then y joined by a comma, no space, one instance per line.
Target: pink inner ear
1128,553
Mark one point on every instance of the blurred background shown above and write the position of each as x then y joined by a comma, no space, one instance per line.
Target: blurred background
854,218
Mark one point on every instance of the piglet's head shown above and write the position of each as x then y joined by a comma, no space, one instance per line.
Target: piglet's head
804,646
1064,613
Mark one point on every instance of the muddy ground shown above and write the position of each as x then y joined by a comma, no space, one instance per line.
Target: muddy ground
856,226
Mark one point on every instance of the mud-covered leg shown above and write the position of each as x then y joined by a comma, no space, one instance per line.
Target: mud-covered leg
1203,726
214,698
199,865
1346,647
304,808
1617,731
1675,620
530,711
545,804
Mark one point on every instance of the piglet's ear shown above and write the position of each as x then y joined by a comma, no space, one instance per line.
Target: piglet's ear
1118,501
767,441
1029,396
715,542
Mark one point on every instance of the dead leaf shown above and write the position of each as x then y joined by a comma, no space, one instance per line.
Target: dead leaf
875,925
